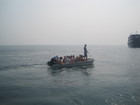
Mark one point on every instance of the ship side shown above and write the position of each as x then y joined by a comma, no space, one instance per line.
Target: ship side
134,41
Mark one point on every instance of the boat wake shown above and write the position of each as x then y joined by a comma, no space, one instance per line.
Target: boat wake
18,66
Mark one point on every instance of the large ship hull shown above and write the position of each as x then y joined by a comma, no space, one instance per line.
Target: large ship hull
134,41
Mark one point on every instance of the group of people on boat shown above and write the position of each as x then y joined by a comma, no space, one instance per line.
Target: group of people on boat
69,59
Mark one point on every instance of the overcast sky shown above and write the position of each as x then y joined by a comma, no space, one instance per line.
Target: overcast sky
96,22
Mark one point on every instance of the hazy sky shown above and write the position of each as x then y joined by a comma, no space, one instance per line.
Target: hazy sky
96,22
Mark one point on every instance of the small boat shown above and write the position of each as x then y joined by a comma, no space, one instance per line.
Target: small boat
87,62
134,41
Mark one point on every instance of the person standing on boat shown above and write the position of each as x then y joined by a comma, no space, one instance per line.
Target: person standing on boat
85,51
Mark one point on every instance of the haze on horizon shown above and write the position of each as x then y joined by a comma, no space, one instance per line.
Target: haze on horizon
43,22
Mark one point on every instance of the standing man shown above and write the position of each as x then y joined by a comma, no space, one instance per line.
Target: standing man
85,51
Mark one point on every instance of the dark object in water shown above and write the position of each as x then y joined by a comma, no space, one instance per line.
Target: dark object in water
87,62
134,40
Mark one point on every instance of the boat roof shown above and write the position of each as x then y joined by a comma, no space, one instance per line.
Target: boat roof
135,34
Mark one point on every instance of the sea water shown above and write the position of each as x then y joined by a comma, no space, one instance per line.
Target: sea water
26,79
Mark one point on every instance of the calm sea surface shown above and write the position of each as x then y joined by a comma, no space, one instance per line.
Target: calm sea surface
25,79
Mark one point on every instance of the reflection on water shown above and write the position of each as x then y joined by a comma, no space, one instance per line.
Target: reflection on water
83,69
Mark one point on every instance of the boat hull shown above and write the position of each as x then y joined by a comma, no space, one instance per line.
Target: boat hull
88,62
134,41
